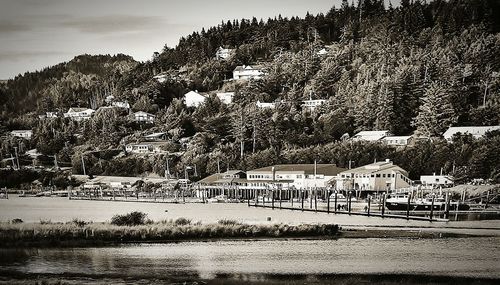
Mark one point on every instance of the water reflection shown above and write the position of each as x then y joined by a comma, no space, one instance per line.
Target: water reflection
473,257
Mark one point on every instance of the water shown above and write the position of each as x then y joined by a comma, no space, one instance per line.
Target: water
259,260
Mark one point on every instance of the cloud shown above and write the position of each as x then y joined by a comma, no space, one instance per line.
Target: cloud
114,24
11,27
27,55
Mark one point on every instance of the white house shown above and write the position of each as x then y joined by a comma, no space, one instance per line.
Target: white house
247,72
300,176
25,134
225,97
311,104
223,53
398,140
378,176
121,104
79,114
194,99
145,147
322,52
370,135
162,77
160,136
145,117
436,180
475,131
265,105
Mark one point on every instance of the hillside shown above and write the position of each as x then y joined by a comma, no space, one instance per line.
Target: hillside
416,69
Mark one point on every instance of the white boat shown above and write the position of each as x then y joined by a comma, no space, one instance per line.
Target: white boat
218,199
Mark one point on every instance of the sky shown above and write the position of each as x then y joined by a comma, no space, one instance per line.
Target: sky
38,33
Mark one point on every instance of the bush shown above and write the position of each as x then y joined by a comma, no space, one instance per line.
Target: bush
182,222
79,223
131,219
17,221
228,222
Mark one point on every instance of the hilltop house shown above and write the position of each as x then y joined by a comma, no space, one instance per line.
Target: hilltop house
370,135
79,114
398,140
223,53
121,104
475,131
25,134
225,97
378,176
194,99
311,104
245,72
143,117
299,176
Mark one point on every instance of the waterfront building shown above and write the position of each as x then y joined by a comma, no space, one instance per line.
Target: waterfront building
436,180
378,176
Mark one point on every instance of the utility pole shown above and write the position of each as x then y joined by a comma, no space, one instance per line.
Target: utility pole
167,173
218,165
17,157
83,166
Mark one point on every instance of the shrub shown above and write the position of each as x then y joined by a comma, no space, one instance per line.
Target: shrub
182,221
131,219
78,222
17,221
228,222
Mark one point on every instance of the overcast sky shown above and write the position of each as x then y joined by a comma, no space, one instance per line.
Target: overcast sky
39,33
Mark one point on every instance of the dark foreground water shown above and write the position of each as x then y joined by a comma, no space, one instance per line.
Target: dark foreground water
343,261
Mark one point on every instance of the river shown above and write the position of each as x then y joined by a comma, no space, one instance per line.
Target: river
262,260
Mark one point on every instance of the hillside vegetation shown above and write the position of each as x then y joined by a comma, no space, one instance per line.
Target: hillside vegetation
418,68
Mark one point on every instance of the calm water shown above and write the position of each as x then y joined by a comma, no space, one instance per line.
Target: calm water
464,257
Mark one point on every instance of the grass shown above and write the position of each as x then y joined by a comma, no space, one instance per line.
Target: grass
79,232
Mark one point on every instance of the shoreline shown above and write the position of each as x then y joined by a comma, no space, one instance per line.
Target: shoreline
105,235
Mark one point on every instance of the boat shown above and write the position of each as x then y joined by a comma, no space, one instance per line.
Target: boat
399,202
218,199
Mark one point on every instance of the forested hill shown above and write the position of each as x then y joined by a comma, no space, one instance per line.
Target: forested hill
413,69
78,82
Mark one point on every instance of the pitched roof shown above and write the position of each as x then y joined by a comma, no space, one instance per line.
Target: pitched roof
371,135
325,169
473,130
77,109
143,113
376,167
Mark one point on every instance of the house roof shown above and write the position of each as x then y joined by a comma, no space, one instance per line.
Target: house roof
77,109
473,130
195,93
143,113
325,169
121,179
397,137
371,135
376,167
246,67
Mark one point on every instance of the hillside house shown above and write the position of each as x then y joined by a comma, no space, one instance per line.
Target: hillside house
397,141
145,147
265,105
223,53
370,136
378,176
79,114
225,97
311,104
246,72
160,136
143,117
121,104
476,131
25,134
194,99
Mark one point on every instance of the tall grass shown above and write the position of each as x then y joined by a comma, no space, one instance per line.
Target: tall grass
180,229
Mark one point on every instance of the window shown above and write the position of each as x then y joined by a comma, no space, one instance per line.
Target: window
373,175
300,176
378,175
383,175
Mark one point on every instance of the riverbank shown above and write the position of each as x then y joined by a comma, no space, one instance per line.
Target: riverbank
79,233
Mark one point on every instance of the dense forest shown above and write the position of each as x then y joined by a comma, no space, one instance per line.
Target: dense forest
414,69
